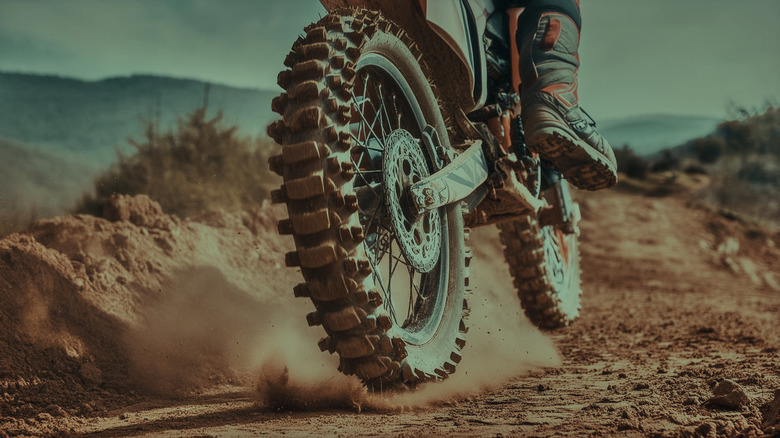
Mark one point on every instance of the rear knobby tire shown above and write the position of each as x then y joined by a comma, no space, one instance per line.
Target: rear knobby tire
544,263
351,64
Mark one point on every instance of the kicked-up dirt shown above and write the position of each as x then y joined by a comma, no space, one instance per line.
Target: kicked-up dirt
143,324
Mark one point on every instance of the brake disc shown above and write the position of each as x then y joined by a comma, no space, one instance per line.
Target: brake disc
419,237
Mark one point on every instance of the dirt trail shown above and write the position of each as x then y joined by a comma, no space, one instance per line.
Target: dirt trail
150,325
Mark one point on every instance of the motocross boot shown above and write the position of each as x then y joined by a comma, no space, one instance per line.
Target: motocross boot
555,126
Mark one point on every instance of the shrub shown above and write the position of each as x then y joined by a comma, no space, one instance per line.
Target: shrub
668,161
759,173
709,149
695,169
630,163
757,133
203,165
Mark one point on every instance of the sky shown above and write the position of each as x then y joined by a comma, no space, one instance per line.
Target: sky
692,57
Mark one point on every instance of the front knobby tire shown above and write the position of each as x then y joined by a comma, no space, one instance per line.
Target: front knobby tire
544,264
354,79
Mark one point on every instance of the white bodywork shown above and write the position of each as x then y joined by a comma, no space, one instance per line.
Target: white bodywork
450,19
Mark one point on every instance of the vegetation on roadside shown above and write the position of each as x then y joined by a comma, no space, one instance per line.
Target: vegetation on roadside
205,164
630,163
742,159
202,165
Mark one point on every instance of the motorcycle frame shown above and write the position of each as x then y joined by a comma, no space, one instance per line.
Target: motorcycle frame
454,35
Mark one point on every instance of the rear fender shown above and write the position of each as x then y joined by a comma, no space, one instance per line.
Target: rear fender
449,33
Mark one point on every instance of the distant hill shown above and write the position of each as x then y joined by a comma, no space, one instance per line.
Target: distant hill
650,134
92,119
57,134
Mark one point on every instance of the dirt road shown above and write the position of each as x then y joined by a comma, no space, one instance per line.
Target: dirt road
677,300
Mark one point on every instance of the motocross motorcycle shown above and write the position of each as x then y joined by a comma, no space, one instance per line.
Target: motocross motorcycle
400,131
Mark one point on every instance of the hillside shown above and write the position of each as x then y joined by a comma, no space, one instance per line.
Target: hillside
95,117
57,134
742,156
649,134
92,119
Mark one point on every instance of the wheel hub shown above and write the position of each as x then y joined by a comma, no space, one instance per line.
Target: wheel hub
418,236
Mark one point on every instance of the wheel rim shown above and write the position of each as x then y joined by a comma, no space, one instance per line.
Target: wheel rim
562,265
385,112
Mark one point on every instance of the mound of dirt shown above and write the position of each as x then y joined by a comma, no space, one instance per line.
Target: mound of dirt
102,313
111,325
97,310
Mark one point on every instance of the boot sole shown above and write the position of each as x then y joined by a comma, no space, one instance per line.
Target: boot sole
580,163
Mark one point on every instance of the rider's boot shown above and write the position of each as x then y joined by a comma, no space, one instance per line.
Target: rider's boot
555,126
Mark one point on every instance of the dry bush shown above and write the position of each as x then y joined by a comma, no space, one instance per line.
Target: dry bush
743,156
630,163
709,149
756,202
755,134
203,165
668,161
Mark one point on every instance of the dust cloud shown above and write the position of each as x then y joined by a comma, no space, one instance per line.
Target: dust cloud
152,304
206,330
501,343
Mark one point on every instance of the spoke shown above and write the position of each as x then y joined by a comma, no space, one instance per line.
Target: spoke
362,129
375,189
362,97
360,101
359,160
372,148
360,104
361,112
393,267
377,86
377,116
365,88
389,295
373,216
381,249
397,113
388,246
410,307
359,172
382,242
378,112
369,200
365,122
384,111
375,269
417,290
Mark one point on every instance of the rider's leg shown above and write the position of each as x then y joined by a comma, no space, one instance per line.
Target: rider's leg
555,125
